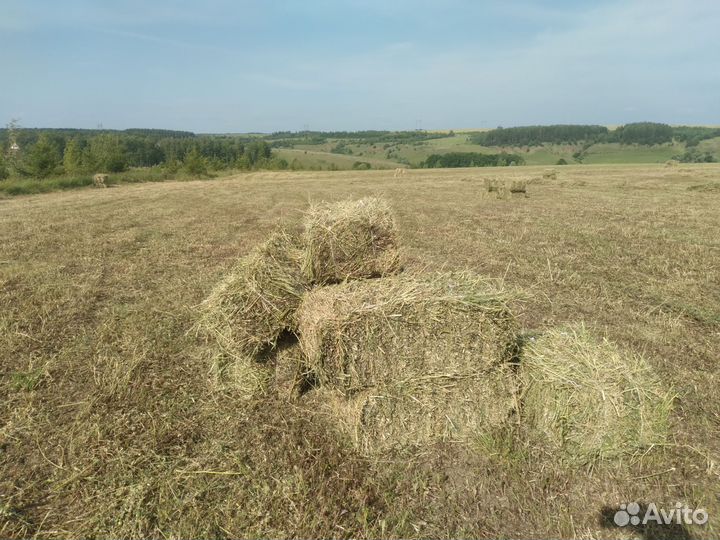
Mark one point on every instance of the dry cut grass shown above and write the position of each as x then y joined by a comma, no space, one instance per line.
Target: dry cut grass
109,428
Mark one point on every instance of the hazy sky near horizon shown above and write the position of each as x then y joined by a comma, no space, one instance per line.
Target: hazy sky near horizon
239,66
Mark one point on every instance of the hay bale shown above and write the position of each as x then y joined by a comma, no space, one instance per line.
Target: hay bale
100,180
672,163
420,357
491,184
709,187
518,186
350,240
363,333
586,399
503,193
549,174
256,302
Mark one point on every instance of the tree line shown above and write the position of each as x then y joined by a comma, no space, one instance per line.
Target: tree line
290,138
471,159
40,153
643,133
537,135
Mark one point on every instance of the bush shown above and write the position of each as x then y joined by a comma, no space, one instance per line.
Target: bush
27,186
693,155
43,157
195,163
105,153
4,171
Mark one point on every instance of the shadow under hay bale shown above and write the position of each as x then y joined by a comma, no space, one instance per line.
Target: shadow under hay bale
587,399
252,306
288,381
407,360
350,240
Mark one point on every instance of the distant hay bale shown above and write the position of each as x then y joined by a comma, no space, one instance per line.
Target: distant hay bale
100,180
549,174
409,359
350,240
672,163
709,187
518,186
252,306
491,184
503,192
587,399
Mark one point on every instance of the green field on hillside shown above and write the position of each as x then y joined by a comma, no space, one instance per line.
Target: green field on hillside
324,155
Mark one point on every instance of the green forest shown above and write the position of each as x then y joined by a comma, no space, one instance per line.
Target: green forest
42,153
643,133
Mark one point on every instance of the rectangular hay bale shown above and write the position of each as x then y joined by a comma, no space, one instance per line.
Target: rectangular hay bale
586,399
256,302
425,410
409,359
350,240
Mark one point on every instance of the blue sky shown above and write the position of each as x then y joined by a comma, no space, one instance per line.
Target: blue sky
239,66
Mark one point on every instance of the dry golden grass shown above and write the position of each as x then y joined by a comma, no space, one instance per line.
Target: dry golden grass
108,427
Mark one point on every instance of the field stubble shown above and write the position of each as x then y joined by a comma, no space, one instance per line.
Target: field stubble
109,426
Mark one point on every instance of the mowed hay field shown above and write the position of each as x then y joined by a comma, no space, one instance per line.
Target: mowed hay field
111,427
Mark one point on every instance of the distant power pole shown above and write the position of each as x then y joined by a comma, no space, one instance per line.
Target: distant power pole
418,125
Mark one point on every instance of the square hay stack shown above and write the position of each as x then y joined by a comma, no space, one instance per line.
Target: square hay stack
406,360
587,399
252,306
518,186
491,184
349,240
